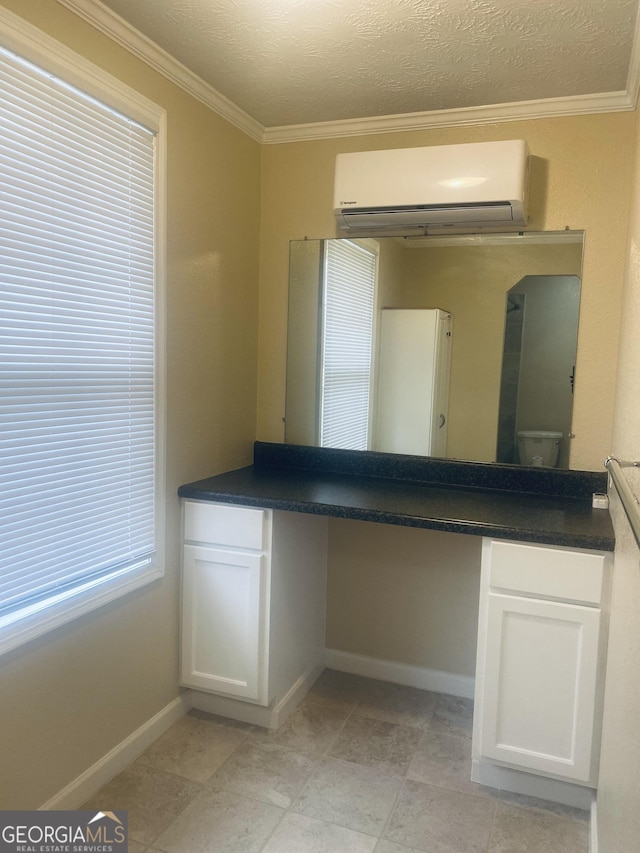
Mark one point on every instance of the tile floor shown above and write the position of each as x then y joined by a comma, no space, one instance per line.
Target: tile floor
362,766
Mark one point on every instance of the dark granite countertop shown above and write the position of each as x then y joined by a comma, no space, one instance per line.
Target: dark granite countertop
499,501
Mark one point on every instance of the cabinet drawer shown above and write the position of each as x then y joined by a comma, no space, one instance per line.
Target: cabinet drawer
219,524
547,572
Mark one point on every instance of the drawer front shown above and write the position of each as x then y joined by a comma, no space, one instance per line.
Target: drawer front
220,524
547,572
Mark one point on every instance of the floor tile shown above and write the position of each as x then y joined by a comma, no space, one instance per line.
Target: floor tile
385,846
357,797
518,830
375,743
193,748
359,758
395,703
436,820
152,798
265,771
339,687
546,806
301,834
445,760
220,822
310,730
453,715
227,722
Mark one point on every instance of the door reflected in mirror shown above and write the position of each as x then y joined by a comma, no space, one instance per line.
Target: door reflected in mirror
538,370
512,303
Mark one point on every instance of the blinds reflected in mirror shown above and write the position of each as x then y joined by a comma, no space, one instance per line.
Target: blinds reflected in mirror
348,302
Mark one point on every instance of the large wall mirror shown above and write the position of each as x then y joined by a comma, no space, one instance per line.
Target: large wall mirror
457,347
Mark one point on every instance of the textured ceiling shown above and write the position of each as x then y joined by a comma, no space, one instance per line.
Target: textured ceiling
298,61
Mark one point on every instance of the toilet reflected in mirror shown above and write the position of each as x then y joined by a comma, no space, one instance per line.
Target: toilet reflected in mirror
539,448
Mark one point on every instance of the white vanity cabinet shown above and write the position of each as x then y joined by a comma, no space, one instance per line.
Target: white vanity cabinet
224,599
540,665
253,607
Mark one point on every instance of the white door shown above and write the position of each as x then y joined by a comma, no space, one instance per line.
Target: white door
539,685
223,622
405,380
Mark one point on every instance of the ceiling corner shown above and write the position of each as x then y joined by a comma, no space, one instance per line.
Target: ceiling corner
116,28
633,77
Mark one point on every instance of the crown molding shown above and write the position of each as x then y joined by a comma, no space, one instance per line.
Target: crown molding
604,102
633,76
466,116
112,25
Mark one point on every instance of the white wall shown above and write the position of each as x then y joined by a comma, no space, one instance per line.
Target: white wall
618,810
302,343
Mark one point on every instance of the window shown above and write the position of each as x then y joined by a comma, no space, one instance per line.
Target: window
349,291
80,379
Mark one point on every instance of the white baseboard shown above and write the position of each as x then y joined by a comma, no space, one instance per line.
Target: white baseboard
84,786
593,827
271,717
290,701
401,673
531,784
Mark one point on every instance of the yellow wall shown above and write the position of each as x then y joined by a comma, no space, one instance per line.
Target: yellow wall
71,696
402,594
575,184
390,273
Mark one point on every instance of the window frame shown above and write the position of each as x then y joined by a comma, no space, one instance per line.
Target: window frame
28,41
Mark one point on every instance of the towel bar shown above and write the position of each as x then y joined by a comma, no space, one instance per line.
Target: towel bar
629,501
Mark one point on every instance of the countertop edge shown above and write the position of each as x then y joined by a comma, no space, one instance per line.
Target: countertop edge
496,531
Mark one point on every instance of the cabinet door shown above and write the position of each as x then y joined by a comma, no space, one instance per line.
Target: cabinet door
540,684
223,622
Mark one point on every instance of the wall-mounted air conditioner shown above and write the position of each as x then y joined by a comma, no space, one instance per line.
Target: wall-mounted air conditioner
440,189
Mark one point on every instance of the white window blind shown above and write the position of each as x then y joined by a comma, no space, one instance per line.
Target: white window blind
347,343
77,439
